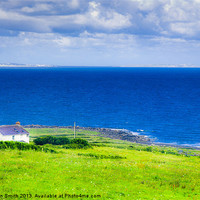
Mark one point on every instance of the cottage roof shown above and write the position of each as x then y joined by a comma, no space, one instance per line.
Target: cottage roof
12,130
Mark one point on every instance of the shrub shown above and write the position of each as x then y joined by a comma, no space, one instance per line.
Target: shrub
171,152
3,145
62,140
80,141
51,140
76,143
38,141
149,149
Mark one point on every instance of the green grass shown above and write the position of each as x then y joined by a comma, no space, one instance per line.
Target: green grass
113,170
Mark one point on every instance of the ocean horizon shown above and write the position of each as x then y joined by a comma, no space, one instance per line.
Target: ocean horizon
162,103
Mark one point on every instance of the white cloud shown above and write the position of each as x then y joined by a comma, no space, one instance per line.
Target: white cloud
106,18
94,5
74,4
64,41
18,22
145,5
96,40
37,8
98,17
188,29
181,17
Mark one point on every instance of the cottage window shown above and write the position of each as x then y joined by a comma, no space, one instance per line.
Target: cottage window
27,135
13,137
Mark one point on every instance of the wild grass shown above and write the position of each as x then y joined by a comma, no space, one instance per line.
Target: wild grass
23,146
113,171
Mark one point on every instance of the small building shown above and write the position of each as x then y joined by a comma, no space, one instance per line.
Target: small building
14,133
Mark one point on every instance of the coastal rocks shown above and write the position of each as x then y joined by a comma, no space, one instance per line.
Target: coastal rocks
124,135
121,134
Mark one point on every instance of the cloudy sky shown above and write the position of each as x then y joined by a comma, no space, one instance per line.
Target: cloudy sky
100,32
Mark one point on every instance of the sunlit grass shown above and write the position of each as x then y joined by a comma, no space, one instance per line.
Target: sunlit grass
114,172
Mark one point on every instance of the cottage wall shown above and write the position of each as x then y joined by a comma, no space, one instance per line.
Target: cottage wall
20,137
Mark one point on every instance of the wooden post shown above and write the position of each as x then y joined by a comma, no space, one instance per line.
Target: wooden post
74,129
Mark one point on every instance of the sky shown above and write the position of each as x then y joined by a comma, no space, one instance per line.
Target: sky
100,32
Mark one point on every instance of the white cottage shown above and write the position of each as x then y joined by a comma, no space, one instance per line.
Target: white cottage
14,133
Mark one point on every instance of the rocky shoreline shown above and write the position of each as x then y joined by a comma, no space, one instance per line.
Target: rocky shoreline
121,134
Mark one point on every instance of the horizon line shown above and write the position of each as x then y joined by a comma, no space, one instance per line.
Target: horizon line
15,65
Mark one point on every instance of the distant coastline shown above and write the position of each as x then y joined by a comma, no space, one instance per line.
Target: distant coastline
14,65
121,134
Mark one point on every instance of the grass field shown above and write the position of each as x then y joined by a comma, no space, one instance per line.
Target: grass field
110,170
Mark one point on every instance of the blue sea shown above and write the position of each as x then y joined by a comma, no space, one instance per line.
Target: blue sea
162,103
